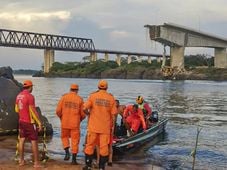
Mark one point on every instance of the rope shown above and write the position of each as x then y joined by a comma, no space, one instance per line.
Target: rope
44,151
45,156
17,149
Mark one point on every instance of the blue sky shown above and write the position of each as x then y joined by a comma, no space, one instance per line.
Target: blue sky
112,24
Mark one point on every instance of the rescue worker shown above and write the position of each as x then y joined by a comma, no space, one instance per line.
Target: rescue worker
120,111
120,108
119,129
70,112
145,107
134,117
28,120
100,107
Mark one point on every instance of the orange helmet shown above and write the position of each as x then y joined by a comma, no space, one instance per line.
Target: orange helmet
27,83
74,87
103,84
139,100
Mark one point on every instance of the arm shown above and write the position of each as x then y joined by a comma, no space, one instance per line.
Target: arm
121,109
114,108
87,106
82,113
140,113
59,108
114,118
33,112
125,113
16,108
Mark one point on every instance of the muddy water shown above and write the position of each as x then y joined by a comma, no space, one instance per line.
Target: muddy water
187,104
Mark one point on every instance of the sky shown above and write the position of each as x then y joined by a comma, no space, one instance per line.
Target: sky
111,24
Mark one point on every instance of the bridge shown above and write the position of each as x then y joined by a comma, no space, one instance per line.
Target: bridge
49,43
179,37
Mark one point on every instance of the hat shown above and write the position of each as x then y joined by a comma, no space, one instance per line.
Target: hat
139,99
102,84
74,87
27,83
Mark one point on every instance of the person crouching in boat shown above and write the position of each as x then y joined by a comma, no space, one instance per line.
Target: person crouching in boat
133,116
145,107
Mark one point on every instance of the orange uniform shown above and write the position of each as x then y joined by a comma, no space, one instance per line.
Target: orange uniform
70,112
102,107
134,118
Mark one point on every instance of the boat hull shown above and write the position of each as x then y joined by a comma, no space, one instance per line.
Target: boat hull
140,138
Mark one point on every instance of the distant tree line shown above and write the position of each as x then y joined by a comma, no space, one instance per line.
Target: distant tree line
86,67
25,72
192,61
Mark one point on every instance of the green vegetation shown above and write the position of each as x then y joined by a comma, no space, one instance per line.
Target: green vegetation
25,72
83,68
196,67
193,61
99,66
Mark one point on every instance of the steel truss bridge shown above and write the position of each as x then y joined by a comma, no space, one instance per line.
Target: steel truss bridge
11,38
49,42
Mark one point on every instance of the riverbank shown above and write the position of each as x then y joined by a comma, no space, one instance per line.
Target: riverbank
60,165
213,74
7,162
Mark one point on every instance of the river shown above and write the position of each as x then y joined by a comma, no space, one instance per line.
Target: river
188,105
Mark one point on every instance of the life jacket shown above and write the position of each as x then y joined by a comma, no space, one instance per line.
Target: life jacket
141,106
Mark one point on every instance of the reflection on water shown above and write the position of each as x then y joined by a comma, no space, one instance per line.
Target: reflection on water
187,104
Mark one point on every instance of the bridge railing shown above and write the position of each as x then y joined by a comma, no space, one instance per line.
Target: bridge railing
21,39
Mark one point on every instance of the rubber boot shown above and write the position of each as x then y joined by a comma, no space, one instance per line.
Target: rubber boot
88,162
110,164
67,154
74,162
102,162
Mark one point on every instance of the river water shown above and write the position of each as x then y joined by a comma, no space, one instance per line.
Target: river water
189,105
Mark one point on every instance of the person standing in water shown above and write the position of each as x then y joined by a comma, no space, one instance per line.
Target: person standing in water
70,112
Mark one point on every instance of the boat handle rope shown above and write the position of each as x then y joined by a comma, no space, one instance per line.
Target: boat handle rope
45,156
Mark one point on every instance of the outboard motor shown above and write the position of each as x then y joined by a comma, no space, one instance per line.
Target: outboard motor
154,117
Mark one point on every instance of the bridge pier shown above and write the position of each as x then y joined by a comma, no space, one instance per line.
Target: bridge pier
129,59
159,60
149,59
48,59
106,57
139,59
220,58
177,57
93,56
118,60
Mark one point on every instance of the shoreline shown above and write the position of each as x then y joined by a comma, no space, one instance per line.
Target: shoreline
56,162
7,163
209,74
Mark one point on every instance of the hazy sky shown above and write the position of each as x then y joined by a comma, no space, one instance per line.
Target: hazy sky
112,24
